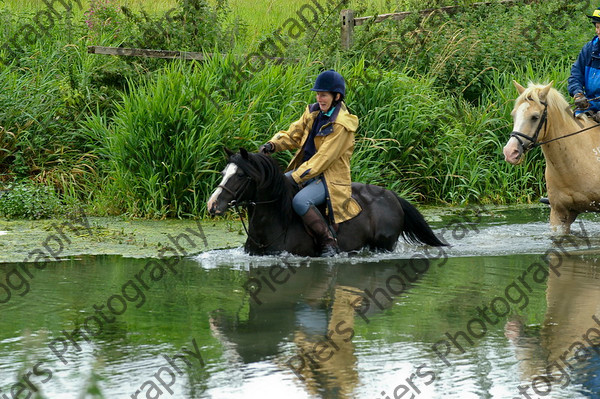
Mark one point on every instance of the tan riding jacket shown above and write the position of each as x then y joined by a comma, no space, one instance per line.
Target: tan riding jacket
334,144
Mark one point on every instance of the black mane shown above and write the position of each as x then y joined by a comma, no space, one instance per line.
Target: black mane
268,177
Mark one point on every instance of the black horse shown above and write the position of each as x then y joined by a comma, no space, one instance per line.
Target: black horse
256,182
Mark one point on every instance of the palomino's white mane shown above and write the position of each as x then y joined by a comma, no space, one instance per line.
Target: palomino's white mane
560,115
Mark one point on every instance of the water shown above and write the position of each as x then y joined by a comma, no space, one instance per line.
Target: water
485,318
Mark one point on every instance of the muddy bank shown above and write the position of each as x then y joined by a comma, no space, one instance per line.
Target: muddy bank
52,239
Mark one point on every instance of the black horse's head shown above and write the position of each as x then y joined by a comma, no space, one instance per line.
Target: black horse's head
249,179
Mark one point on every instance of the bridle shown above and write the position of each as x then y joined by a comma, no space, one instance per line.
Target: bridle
543,124
242,190
245,204
533,139
236,194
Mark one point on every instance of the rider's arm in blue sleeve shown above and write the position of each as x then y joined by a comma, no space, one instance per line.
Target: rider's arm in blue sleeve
577,78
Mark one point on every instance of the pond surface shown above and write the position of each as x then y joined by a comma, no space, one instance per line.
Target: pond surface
508,311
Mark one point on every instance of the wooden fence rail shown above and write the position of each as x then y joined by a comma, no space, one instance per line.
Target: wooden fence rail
174,55
349,21
139,52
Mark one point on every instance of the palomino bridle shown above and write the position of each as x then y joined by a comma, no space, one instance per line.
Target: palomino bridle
543,124
533,139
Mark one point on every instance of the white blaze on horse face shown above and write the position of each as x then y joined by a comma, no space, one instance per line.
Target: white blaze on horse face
230,170
512,150
520,117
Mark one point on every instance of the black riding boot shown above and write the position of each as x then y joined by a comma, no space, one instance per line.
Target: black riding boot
317,225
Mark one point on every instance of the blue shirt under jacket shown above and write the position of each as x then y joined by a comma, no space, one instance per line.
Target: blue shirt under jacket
585,73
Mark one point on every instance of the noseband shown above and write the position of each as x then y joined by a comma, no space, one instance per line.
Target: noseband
533,139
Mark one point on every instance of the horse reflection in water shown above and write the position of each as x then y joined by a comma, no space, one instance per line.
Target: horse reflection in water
566,352
319,310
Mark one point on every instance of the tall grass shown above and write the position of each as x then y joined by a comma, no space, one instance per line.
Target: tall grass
164,145
35,5
435,147
145,137
261,16
47,91
265,15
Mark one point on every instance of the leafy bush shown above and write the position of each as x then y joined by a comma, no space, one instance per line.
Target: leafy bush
29,201
461,51
144,136
103,15
164,147
193,25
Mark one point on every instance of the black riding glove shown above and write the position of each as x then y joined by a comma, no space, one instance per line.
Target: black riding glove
267,148
581,102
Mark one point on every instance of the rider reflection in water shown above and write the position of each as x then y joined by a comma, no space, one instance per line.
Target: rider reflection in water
584,82
324,135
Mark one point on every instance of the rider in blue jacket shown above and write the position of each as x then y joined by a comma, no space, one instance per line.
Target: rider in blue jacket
584,82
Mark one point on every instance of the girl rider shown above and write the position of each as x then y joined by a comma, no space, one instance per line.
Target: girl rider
324,137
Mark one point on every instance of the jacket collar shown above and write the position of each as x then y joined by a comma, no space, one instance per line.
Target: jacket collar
340,115
595,47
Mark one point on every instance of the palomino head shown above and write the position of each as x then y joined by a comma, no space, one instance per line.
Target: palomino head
249,178
530,119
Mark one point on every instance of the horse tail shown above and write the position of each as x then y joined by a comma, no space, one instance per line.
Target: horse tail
416,230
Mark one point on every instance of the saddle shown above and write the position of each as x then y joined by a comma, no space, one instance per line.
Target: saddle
593,115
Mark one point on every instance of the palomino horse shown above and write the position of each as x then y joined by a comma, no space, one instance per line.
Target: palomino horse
571,146
256,182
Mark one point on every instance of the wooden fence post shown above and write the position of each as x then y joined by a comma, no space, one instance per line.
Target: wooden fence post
347,17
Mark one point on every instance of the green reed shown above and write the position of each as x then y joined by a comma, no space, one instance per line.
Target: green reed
145,137
164,145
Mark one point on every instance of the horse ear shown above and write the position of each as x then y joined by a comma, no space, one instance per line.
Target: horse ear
244,153
520,88
545,90
228,152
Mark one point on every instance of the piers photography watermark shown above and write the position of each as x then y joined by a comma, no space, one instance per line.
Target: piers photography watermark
17,281
165,376
514,295
68,344
270,280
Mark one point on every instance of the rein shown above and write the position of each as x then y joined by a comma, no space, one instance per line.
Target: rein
236,205
566,135
543,122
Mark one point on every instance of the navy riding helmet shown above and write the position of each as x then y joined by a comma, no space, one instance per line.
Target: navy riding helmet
330,81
